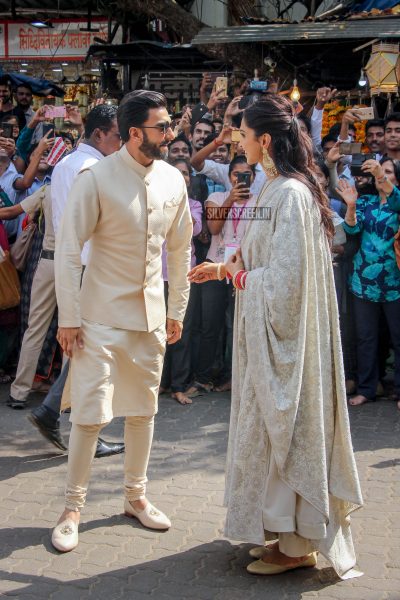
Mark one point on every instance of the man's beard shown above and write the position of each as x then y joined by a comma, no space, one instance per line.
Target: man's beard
153,151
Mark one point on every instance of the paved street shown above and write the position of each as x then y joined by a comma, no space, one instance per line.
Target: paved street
117,558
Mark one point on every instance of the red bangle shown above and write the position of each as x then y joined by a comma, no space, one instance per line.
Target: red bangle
239,279
218,142
228,275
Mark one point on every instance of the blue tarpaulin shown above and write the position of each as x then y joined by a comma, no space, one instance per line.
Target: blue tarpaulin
40,87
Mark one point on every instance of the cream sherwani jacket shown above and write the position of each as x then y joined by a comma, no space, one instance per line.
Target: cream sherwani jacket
127,211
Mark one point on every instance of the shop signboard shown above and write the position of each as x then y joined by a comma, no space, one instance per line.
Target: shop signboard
65,39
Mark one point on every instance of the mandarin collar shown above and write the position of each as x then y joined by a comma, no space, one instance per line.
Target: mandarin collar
133,164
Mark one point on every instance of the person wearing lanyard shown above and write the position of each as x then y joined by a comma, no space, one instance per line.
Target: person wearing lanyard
227,222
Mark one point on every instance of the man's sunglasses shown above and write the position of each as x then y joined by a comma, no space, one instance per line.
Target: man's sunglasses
163,127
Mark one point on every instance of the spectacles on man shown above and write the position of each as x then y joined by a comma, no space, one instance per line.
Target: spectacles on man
163,127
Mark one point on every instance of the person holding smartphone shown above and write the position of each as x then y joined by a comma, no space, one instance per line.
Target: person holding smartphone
227,221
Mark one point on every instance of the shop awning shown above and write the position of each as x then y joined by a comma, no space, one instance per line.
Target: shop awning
381,27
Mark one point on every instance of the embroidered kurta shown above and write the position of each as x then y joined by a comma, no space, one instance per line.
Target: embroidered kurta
289,411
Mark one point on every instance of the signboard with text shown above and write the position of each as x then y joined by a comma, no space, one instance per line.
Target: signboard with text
65,39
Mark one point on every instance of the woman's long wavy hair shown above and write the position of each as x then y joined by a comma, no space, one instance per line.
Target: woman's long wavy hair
290,149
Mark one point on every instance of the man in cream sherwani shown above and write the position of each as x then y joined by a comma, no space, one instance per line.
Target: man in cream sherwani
115,327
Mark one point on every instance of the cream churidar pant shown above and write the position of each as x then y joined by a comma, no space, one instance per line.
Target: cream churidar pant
82,444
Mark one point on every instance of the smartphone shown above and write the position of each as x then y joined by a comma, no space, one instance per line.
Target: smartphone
244,178
48,127
365,114
357,162
221,85
7,130
350,148
198,113
235,135
55,112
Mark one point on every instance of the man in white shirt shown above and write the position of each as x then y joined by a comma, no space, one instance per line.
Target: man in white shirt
101,139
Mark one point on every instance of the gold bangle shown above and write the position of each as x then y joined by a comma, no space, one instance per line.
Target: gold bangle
219,266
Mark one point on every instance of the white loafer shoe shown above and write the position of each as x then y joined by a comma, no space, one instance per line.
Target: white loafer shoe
65,536
149,517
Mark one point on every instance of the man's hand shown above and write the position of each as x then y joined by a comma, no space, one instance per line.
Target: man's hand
215,99
45,143
233,109
323,96
67,337
38,117
185,122
73,115
334,155
8,144
350,117
174,331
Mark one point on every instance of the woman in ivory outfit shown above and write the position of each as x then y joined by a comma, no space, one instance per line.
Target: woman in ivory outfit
291,473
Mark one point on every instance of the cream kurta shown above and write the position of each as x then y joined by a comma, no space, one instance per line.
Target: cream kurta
127,211
289,430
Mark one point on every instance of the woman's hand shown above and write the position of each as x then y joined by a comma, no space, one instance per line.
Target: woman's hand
374,167
347,192
238,193
207,271
235,263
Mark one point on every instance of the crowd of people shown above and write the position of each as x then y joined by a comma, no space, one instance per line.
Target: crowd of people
222,187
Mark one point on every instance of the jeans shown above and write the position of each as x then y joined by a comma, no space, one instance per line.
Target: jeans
53,399
367,315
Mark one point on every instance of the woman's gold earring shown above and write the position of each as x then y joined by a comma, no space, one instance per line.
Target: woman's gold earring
268,164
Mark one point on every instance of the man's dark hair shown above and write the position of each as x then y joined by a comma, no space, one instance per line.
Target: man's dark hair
217,120
100,117
240,160
134,109
329,137
395,116
319,161
374,123
5,80
303,117
182,138
26,86
206,122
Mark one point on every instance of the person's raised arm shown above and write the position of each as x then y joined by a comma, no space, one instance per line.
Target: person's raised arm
349,194
224,137
23,183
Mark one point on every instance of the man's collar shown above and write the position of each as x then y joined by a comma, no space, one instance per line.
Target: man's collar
133,164
87,149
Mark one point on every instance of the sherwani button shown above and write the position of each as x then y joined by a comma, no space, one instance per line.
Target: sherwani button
149,235
145,284
149,210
